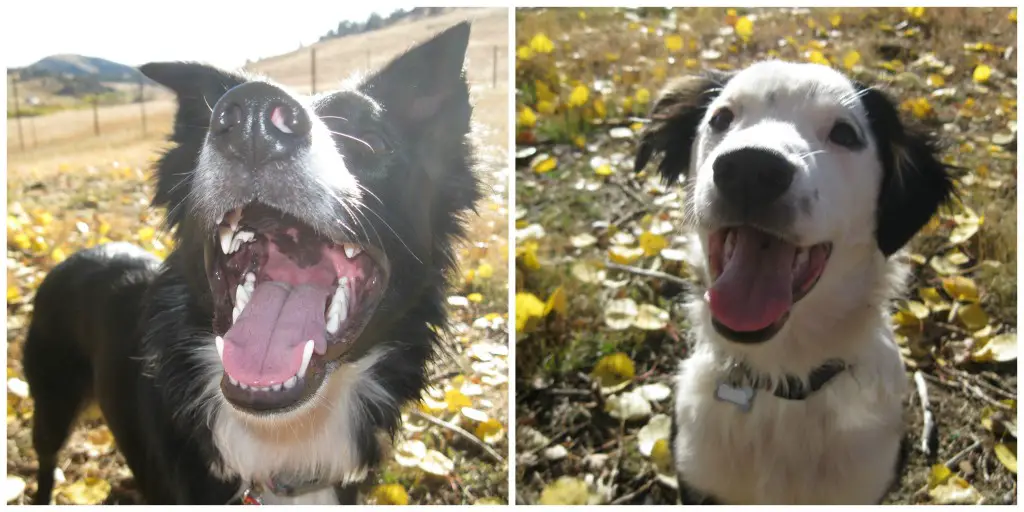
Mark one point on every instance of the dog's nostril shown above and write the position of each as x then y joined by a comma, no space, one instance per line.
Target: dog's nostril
229,117
289,120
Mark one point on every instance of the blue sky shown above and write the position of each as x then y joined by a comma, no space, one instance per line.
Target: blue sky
214,31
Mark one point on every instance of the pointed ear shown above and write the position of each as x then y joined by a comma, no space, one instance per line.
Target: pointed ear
674,122
915,182
426,81
198,87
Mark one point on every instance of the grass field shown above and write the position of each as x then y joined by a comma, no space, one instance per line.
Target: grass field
71,189
600,280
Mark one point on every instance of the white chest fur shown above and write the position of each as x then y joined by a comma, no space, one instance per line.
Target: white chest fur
838,446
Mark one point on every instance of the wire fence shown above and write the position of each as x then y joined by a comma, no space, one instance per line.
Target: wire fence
25,114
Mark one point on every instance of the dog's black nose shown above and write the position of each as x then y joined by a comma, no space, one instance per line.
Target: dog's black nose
752,177
256,123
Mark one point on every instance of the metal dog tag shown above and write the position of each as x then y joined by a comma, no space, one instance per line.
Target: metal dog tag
741,397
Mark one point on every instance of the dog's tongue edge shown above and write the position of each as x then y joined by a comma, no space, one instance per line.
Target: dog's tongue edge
755,288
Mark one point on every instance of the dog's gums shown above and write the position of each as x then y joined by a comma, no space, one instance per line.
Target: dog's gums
756,279
287,304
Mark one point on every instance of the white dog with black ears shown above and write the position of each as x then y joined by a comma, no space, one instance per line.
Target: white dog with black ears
801,186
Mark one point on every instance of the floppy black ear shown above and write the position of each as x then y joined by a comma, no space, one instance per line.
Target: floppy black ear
198,87
674,121
915,182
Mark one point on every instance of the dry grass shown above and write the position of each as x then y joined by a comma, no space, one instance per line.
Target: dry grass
71,189
621,58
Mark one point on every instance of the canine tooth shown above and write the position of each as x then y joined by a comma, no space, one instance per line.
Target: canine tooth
290,383
242,294
220,347
351,251
232,380
800,262
276,387
225,238
234,314
307,353
730,244
250,278
242,385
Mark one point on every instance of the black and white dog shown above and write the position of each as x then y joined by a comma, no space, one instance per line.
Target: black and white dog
801,185
269,355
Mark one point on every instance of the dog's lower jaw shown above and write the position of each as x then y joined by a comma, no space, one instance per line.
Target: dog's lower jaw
324,443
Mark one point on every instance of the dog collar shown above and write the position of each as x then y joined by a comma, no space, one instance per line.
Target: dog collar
740,383
279,487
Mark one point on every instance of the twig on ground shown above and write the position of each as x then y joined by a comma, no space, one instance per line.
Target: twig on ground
929,431
648,273
631,193
968,387
625,498
962,453
459,430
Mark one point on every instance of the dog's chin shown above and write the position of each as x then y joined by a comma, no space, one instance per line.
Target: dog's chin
288,306
756,280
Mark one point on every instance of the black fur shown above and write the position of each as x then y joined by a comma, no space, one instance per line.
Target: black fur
915,183
674,122
131,335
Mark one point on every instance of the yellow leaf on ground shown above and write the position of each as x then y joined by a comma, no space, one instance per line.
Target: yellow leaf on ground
982,73
456,400
527,254
88,491
146,234
529,311
565,491
1007,455
956,491
579,96
661,456
851,59
527,118
652,244
1000,348
603,170
541,44
818,58
613,369
938,475
545,165
389,494
485,271
643,96
972,316
962,289
475,298
624,255
744,28
556,302
674,42
650,317
489,431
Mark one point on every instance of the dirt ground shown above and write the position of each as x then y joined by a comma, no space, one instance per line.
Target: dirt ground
600,280
71,189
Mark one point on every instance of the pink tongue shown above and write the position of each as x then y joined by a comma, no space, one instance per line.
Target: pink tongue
756,285
264,346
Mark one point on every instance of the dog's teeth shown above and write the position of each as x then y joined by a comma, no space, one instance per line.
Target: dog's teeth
307,354
276,387
351,251
242,385
234,314
338,312
250,278
730,244
800,262
249,285
290,383
225,238
232,380
242,294
220,347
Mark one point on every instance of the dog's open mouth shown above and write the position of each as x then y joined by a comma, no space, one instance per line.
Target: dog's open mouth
287,303
757,277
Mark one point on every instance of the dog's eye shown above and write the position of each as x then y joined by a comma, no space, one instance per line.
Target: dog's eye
844,135
721,120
